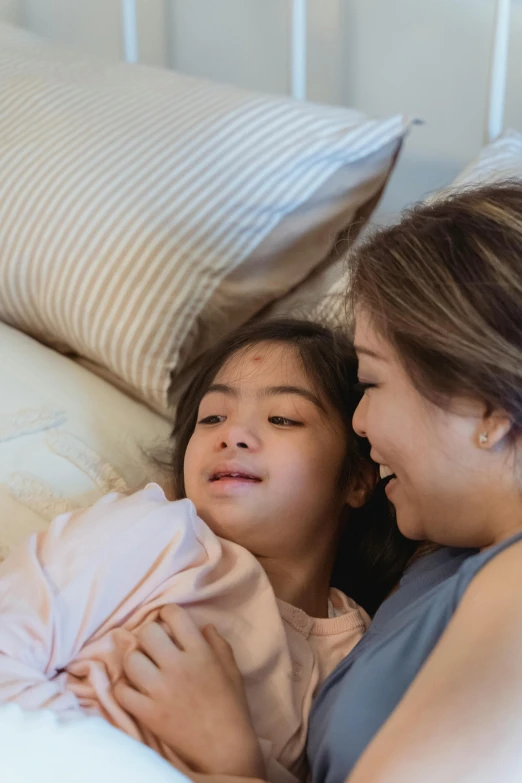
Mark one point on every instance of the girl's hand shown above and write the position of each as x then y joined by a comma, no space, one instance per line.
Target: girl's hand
186,688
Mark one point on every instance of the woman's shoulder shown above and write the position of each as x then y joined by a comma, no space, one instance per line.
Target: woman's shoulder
446,575
429,581
496,568
495,574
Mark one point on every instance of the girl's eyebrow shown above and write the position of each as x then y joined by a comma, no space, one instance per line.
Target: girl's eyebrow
270,391
222,388
274,391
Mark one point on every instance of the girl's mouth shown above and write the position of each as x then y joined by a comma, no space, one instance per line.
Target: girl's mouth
232,483
234,477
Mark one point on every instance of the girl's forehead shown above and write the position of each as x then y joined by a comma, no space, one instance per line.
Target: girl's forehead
261,360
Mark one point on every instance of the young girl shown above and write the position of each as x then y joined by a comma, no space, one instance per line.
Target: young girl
267,469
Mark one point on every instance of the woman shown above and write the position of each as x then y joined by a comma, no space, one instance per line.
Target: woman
434,691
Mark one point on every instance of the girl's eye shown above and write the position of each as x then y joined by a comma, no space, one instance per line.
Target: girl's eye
363,387
281,421
212,420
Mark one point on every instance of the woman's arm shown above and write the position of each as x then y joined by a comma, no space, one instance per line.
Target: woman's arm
189,693
461,719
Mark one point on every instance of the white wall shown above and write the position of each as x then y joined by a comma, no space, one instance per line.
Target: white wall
9,11
428,58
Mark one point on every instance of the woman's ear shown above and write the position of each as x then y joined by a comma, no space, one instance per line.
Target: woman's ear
361,487
492,428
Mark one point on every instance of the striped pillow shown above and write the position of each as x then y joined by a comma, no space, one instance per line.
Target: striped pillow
502,159
145,213
499,160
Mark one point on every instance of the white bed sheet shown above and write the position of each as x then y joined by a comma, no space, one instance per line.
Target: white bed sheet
39,747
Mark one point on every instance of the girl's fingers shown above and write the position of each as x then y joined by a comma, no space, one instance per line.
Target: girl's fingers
222,650
182,628
141,672
132,701
154,640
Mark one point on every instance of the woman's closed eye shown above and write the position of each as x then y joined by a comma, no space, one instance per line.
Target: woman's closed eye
282,421
362,387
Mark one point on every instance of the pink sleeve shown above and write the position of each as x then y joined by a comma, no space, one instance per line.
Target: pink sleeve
59,587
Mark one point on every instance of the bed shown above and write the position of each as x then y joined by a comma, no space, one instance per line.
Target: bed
144,214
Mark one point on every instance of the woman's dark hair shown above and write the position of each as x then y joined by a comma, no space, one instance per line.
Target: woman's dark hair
372,553
444,286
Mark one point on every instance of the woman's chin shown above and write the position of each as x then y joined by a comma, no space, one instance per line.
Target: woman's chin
409,524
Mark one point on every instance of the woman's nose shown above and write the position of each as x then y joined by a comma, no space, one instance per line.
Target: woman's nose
359,417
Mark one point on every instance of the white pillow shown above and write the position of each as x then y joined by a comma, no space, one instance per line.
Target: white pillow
67,437
40,747
146,213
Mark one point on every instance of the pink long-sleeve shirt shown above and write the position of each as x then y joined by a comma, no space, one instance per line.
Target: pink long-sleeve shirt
73,598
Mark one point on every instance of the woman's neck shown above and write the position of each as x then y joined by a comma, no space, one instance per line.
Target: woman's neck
304,585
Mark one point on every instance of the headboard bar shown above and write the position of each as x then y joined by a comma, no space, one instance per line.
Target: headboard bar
498,71
298,47
298,42
129,23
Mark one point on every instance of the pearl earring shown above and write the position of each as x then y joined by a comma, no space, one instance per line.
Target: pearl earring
483,438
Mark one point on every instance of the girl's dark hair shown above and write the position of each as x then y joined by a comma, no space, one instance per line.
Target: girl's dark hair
372,553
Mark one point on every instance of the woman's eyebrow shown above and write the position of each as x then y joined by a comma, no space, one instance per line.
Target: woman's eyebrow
360,350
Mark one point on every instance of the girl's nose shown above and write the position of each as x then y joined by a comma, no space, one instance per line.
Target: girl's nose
238,436
240,444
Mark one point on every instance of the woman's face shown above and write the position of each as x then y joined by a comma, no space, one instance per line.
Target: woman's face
444,482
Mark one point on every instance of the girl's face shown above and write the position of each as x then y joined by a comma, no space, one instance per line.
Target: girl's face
446,487
263,462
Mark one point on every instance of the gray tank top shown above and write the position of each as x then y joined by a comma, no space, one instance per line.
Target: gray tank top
365,688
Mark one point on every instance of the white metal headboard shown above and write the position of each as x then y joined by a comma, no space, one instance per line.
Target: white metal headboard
298,62
298,42
129,23
498,71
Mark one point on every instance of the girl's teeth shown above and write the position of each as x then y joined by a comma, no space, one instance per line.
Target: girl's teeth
385,471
